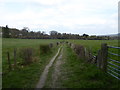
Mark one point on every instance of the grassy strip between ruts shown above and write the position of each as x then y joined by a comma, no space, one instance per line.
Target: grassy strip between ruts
77,73
29,75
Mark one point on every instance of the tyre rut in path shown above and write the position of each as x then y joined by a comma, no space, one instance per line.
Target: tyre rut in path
56,75
43,76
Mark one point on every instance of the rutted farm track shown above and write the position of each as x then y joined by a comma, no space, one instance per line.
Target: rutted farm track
54,77
44,75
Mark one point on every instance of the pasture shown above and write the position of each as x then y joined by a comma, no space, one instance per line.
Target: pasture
27,76
95,45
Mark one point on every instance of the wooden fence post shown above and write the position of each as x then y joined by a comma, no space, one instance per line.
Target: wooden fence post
9,63
104,53
85,54
99,59
15,57
82,52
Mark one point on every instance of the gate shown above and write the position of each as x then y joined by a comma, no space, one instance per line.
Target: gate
113,66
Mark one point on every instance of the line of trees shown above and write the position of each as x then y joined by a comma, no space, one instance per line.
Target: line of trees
25,33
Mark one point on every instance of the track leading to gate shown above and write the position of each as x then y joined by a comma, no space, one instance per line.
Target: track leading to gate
43,76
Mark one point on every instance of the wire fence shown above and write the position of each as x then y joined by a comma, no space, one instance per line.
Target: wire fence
113,66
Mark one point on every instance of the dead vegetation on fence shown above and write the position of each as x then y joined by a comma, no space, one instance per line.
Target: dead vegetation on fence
44,49
83,53
27,55
100,60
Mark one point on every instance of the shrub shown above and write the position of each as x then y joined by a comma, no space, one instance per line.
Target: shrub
44,49
27,55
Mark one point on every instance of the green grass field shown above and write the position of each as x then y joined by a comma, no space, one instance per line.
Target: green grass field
27,76
8,45
95,45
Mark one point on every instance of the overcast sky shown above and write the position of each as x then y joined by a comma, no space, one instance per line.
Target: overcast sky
93,17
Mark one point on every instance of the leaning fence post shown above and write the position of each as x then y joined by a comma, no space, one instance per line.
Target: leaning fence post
104,53
15,57
9,63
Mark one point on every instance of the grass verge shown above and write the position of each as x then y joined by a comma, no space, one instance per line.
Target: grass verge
78,74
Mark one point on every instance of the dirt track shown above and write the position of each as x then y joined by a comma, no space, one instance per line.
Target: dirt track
55,83
43,76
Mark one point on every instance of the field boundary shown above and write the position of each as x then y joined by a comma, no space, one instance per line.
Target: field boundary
102,61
